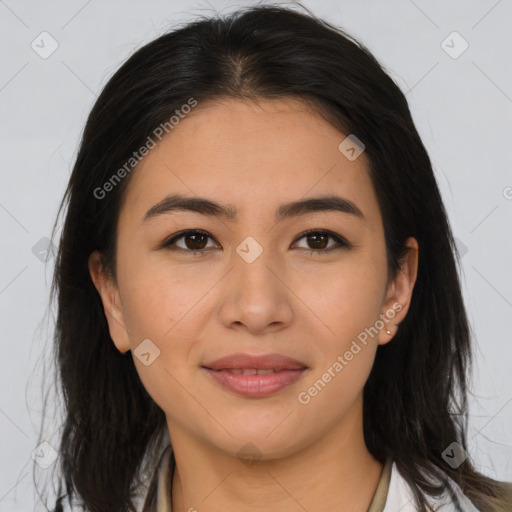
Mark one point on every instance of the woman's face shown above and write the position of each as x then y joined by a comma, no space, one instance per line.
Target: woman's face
253,286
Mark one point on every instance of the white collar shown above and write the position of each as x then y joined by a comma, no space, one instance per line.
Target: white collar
400,497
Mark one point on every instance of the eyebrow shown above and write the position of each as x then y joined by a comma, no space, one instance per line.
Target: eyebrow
204,206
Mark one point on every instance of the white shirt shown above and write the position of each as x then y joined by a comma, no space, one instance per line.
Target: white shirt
400,497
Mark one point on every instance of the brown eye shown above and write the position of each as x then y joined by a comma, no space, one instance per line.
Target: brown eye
194,240
317,241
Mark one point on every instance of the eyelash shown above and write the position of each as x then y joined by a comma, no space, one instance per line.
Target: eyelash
342,243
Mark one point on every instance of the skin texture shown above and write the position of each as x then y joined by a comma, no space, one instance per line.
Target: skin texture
196,308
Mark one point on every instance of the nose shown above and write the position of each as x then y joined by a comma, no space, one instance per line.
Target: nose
255,296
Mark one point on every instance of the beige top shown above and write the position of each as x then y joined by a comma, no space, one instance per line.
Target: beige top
159,493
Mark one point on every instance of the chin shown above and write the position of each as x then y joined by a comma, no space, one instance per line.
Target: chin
255,443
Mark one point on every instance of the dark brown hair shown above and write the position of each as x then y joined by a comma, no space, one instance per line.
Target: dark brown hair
415,400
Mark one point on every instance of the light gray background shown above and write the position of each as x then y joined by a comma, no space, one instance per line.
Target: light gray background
462,107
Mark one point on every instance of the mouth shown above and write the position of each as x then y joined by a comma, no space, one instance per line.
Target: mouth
255,376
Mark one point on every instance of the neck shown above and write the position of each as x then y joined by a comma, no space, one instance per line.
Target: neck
334,473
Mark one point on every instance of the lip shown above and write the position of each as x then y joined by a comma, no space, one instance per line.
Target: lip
286,372
260,362
255,386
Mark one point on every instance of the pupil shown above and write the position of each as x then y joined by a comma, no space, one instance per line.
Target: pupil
316,236
195,237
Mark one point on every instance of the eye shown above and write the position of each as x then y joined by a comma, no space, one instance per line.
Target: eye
194,241
319,240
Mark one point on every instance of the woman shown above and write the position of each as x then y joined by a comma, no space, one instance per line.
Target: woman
258,299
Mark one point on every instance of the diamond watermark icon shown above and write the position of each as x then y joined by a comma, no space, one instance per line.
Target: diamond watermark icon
249,454
462,248
44,455
351,147
454,45
44,249
249,249
147,352
454,455
44,45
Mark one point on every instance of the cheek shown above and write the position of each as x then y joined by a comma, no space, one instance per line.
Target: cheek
331,393
160,309
153,300
350,307
347,299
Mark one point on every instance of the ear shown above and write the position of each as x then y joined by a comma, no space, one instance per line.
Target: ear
109,294
399,293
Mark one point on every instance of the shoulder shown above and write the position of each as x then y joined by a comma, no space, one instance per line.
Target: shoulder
400,497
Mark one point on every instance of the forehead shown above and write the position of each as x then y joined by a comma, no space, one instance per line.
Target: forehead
251,155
